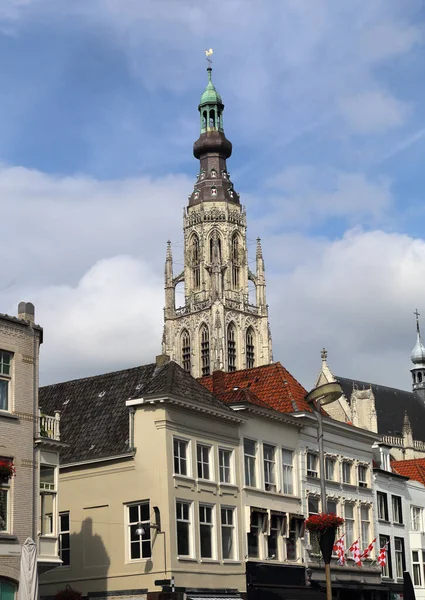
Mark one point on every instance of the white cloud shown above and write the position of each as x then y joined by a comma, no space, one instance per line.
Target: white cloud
373,111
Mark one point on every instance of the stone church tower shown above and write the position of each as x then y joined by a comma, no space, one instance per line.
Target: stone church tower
217,328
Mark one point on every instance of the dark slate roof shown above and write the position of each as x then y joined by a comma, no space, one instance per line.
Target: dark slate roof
391,404
94,417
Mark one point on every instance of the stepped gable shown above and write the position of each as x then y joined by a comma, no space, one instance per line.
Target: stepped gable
272,384
391,405
94,417
413,469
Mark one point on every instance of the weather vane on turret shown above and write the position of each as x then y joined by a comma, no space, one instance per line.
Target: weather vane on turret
209,53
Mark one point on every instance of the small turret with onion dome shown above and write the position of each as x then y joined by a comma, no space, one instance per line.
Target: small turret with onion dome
418,359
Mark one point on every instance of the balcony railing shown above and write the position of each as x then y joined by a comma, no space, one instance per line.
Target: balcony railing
48,427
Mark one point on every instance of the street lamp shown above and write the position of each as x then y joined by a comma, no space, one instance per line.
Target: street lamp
318,397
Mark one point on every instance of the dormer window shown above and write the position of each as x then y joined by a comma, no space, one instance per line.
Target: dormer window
213,191
224,174
231,193
213,173
196,194
202,174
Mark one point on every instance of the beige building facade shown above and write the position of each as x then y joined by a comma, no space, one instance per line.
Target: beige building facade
29,445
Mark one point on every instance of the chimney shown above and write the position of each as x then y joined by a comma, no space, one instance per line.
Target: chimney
219,383
161,360
26,311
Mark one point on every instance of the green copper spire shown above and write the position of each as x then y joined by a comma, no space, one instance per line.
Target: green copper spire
211,107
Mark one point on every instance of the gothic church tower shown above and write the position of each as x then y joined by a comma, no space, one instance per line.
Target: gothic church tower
217,328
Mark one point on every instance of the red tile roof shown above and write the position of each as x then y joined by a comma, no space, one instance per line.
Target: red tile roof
270,385
413,469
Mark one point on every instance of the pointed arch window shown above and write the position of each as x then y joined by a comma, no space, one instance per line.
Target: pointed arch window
185,340
250,348
205,350
235,261
231,347
196,263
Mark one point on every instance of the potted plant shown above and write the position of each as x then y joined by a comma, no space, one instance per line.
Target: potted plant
324,526
68,594
7,470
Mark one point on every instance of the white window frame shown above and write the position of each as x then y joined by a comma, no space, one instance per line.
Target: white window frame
330,460
189,522
397,509
417,572
61,534
416,520
48,489
269,468
362,475
383,513
204,467
7,377
5,489
349,465
186,460
250,459
312,465
232,527
288,473
349,537
365,525
144,524
224,469
387,568
212,526
398,555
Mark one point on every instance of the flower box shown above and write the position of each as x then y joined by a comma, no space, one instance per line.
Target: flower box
322,521
7,470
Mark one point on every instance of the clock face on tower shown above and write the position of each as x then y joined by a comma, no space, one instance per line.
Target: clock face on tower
220,327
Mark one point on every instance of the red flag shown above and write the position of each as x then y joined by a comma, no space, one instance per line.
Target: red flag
355,551
366,553
382,556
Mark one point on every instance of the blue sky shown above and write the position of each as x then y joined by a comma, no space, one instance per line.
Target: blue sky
325,109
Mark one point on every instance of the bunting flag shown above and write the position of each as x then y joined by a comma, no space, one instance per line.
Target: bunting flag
340,550
368,550
355,552
382,556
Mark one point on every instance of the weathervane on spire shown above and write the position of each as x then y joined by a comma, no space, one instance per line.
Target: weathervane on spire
209,53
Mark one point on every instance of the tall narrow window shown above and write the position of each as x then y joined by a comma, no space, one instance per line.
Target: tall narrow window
64,538
253,536
205,531
186,350
287,472
205,351
235,261
387,570
228,533
224,465
400,565
47,499
269,467
184,526
397,510
250,451
416,512
231,347
5,374
365,525
203,461
349,524
250,356
196,263
382,506
273,537
330,468
416,568
139,530
180,457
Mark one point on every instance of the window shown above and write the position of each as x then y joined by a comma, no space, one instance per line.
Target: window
5,374
397,510
235,261
196,261
250,350
312,462
4,508
416,513
231,347
365,525
180,457
205,351
313,509
257,524
186,350
203,460
291,540
382,506
287,472
139,530
387,570
346,472
399,557
269,468
64,539
47,499
331,506
273,537
205,530
417,580
7,589
349,524
224,465
250,450
330,468
362,473
184,533
228,534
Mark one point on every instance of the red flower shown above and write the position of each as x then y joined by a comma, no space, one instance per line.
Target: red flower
7,468
323,521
